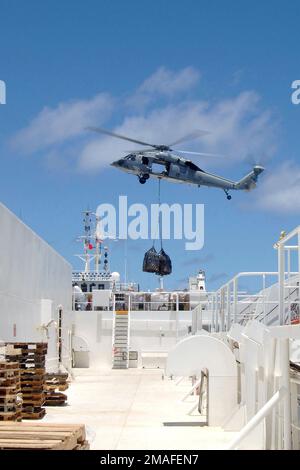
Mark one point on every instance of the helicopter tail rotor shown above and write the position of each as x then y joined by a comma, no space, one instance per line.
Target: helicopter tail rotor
253,161
249,181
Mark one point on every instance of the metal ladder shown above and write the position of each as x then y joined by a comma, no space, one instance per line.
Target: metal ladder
121,340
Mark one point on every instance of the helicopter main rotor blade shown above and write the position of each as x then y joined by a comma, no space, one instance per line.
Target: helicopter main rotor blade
200,154
119,136
153,150
191,136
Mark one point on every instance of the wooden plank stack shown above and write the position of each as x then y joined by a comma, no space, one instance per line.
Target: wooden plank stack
10,388
42,436
55,383
31,358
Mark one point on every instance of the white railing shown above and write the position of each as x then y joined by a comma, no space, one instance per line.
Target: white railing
230,305
260,415
178,301
284,259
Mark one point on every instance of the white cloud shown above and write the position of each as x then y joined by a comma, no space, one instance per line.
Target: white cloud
56,125
279,191
167,82
238,128
163,83
238,125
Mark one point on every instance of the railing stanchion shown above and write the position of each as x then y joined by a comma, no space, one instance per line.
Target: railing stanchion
260,415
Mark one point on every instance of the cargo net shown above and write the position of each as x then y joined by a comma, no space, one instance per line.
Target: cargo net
157,262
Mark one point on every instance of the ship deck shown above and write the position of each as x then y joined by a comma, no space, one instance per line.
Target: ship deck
135,409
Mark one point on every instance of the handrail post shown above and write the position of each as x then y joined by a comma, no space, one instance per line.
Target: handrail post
281,259
177,315
196,385
298,240
256,419
128,314
200,316
213,328
228,307
235,293
285,374
217,312
264,296
222,308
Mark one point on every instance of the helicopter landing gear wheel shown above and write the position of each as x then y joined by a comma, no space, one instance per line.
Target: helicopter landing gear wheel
227,195
143,178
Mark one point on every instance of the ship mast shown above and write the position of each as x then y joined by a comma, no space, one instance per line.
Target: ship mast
93,243
87,239
98,244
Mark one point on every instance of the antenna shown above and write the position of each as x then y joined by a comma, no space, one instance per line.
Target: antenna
92,240
98,244
87,239
106,263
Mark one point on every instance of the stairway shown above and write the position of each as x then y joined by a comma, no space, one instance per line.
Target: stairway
121,340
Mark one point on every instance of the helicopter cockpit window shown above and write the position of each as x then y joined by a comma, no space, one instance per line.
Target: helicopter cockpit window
130,157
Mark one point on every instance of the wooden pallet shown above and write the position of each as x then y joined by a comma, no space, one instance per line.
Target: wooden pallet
30,358
55,399
55,383
31,412
10,390
4,365
11,371
10,382
8,407
58,376
53,387
27,345
34,372
35,402
11,416
43,436
22,354
10,398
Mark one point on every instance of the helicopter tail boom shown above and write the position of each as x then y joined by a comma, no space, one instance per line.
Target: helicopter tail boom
248,182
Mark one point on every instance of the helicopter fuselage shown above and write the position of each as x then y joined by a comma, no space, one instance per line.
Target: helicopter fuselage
179,170
161,161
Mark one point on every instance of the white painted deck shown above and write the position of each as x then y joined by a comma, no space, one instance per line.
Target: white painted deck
126,409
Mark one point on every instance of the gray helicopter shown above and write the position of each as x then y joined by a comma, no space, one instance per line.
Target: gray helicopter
161,161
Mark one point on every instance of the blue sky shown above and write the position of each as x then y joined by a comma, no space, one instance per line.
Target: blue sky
154,70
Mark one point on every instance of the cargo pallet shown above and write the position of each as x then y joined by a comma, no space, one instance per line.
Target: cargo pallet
31,358
55,383
42,436
10,396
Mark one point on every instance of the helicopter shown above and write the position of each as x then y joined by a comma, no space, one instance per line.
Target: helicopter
174,167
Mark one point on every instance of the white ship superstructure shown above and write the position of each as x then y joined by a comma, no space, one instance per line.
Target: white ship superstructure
165,316
93,286
35,291
230,359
